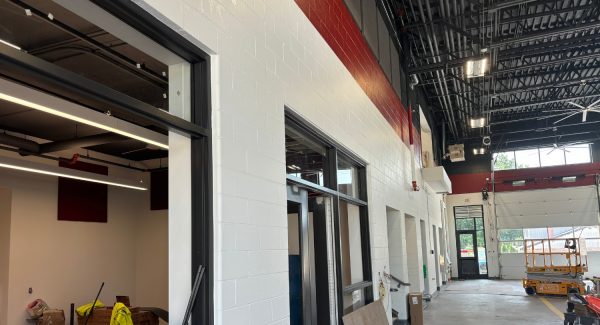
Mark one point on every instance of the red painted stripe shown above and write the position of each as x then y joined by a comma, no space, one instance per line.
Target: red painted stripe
334,22
536,178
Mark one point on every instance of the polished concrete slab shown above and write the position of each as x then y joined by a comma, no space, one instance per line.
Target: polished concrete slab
492,302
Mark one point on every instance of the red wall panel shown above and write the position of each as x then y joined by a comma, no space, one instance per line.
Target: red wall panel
334,22
468,183
80,200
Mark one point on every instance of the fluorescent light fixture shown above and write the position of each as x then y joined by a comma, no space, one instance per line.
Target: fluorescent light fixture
10,44
478,122
569,179
478,151
518,183
38,168
46,103
294,167
476,68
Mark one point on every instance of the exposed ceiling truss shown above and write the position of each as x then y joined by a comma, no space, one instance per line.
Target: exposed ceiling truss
543,55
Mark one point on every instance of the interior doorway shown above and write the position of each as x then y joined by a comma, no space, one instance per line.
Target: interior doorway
396,244
425,254
470,242
309,254
436,256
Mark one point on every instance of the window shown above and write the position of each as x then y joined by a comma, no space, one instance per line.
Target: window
543,157
552,157
319,164
347,177
527,158
504,160
511,240
578,154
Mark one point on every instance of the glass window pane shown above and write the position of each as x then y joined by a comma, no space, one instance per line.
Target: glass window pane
560,232
353,300
552,157
466,245
510,234
478,223
351,244
511,247
535,233
347,177
593,244
504,160
481,253
578,154
304,157
527,158
587,232
465,224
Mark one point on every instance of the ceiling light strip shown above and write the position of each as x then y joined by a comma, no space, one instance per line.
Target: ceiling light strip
32,98
38,168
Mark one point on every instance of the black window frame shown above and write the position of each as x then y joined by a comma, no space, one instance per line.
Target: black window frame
199,128
335,150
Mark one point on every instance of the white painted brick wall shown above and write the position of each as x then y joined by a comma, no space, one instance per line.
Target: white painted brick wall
267,55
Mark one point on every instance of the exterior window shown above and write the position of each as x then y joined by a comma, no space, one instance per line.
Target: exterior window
578,154
504,160
543,157
511,240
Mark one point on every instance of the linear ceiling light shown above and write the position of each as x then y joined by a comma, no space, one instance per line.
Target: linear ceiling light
478,151
16,93
10,44
38,168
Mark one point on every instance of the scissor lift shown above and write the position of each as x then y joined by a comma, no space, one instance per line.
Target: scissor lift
555,266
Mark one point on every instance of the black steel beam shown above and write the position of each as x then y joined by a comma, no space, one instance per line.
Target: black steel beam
538,102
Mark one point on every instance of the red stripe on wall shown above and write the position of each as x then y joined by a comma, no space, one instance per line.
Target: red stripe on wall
334,22
536,178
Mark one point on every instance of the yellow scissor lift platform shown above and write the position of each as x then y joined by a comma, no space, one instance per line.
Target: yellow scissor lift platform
555,266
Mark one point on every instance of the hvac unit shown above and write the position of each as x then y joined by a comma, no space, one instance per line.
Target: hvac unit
457,152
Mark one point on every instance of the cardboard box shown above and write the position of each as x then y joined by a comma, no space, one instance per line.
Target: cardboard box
415,308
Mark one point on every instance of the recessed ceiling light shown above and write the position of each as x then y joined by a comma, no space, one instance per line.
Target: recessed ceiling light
478,122
478,151
476,68
569,179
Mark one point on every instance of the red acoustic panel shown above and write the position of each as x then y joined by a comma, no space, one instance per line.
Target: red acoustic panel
334,22
79,200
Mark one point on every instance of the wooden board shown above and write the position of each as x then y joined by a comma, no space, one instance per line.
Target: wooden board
372,314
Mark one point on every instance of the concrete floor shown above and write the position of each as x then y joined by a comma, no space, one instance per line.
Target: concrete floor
492,302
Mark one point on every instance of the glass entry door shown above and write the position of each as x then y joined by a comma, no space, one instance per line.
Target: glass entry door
470,242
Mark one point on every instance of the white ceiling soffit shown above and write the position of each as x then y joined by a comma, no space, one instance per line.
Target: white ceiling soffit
35,99
45,169
437,179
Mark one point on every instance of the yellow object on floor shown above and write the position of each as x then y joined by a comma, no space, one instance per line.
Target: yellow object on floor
85,309
121,315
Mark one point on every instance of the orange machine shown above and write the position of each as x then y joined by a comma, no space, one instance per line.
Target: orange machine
555,266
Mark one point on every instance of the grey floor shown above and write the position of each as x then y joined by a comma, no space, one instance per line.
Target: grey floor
491,302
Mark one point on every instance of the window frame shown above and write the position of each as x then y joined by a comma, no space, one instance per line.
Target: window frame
565,163
574,229
335,150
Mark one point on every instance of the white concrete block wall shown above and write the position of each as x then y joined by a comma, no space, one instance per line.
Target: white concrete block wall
267,56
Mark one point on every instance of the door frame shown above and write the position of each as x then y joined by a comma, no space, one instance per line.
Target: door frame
476,251
309,304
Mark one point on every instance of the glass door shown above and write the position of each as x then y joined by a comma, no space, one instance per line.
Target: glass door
470,242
